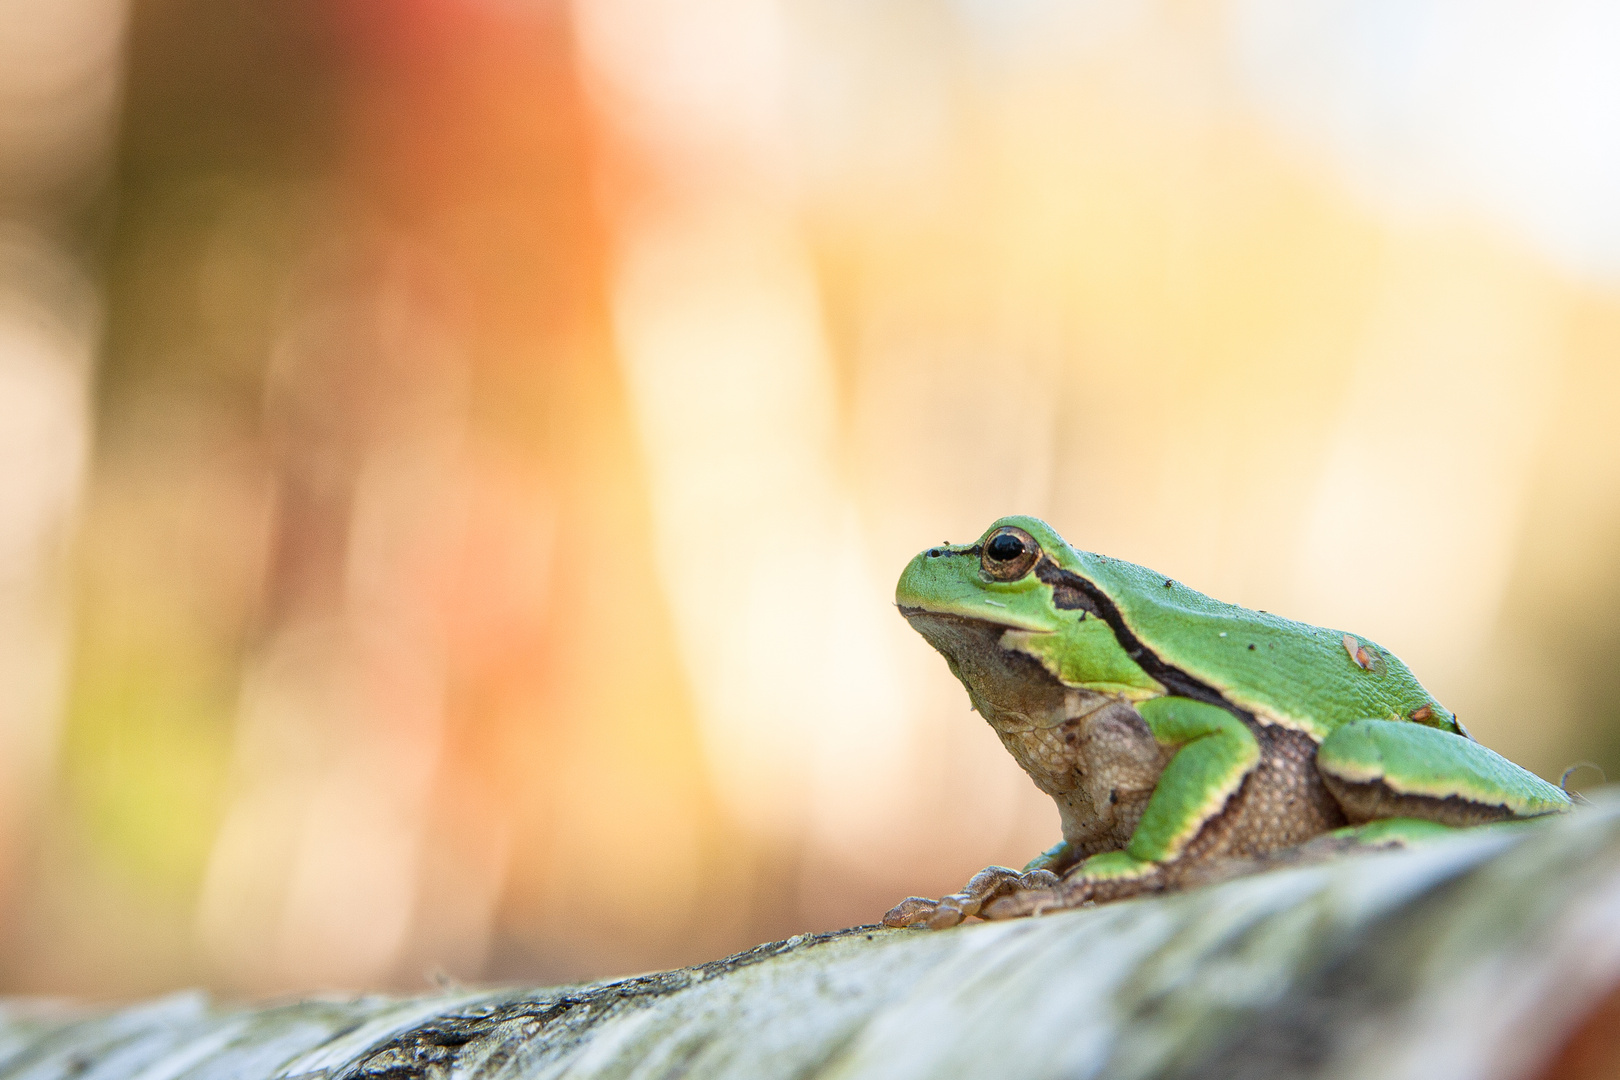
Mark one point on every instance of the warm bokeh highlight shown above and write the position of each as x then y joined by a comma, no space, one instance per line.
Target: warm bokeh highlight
455,456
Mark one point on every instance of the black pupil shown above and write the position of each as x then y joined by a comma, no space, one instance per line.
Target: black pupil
1006,548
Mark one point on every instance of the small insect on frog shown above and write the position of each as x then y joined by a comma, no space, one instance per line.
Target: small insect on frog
1184,739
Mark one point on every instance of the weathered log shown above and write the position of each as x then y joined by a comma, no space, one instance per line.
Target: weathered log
1494,954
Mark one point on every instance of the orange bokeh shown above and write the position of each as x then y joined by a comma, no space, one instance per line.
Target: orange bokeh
460,451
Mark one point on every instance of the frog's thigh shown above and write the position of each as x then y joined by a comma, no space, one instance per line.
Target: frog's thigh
1217,752
1389,768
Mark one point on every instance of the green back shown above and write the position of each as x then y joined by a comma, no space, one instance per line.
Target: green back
1299,675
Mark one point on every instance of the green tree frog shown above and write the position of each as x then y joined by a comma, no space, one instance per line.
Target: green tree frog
1182,737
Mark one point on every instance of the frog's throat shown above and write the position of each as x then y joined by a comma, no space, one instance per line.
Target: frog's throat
1006,686
1071,590
1009,687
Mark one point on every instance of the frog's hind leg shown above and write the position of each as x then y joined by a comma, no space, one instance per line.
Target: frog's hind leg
1379,769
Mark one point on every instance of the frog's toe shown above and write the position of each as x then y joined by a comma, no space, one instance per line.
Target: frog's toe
909,912
983,888
1024,902
1036,891
939,914
1039,879
946,914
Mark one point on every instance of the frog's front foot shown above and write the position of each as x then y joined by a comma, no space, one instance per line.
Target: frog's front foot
1070,894
983,888
1113,876
1028,902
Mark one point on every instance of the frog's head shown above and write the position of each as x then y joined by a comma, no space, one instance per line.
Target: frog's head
988,606
996,579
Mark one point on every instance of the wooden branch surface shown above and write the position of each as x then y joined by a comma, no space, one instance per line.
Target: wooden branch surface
1478,957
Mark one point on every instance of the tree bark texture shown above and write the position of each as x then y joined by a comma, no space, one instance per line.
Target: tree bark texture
1495,954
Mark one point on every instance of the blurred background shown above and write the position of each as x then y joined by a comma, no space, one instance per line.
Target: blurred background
455,455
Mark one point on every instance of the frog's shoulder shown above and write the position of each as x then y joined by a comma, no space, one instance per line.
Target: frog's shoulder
1286,672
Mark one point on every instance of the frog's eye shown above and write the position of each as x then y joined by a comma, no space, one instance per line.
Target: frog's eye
1009,554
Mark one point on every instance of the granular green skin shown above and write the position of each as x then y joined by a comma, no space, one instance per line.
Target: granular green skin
1297,675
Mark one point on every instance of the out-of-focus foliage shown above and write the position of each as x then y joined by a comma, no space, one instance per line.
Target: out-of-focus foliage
508,420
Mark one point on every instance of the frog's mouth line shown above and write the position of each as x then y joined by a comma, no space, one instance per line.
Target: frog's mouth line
989,630
912,612
986,626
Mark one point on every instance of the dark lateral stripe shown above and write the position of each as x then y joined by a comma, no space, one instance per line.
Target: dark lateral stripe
1373,799
1097,602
